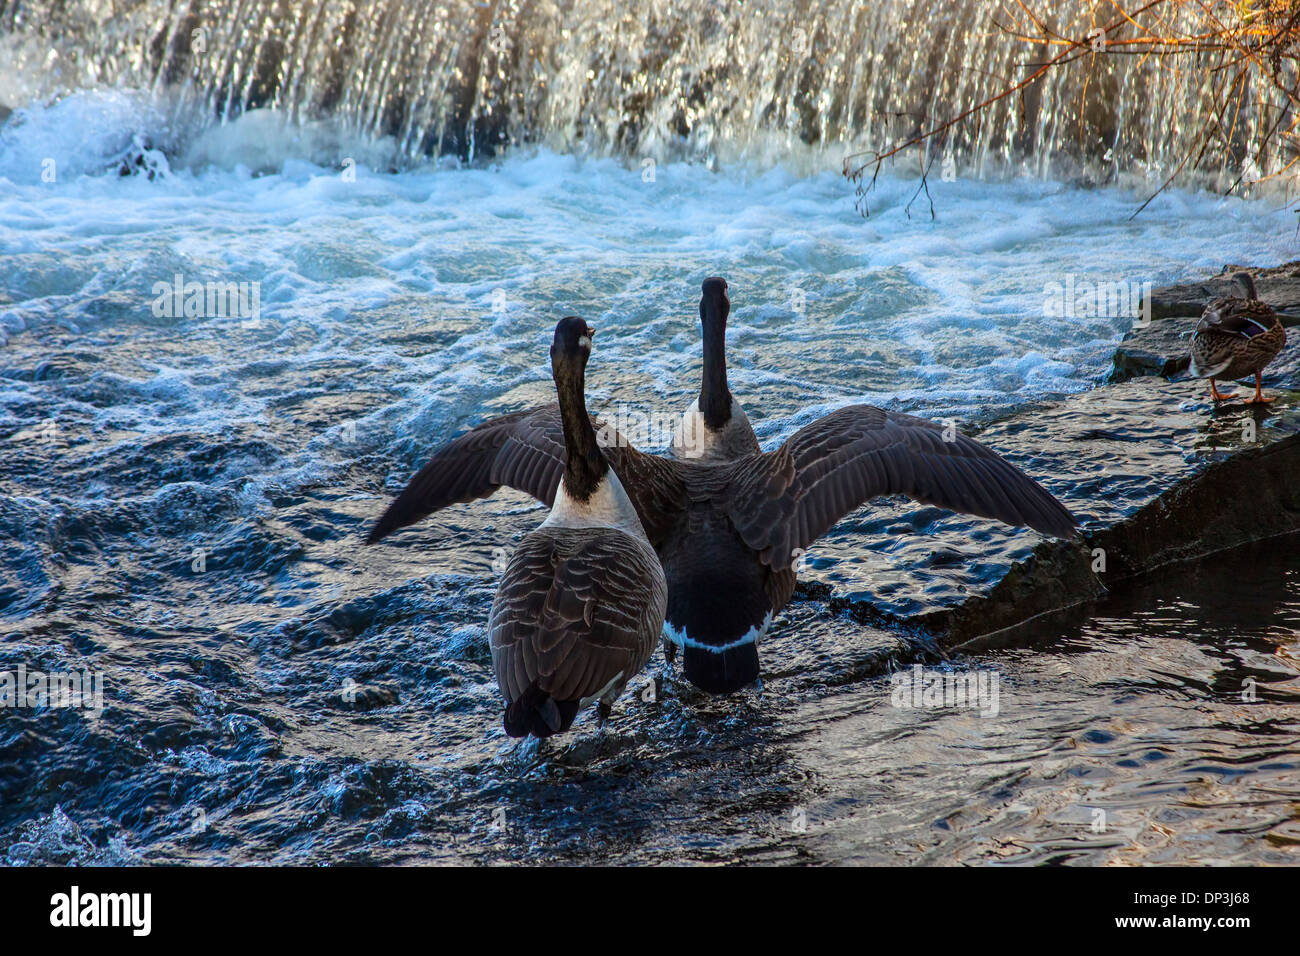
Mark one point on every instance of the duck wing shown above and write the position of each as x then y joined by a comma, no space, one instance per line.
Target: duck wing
1241,318
782,501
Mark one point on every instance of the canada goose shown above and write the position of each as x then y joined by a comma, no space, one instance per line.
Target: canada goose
715,427
1237,337
729,533
581,604
713,431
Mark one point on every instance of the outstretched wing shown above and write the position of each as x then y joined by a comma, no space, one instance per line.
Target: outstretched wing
523,450
788,498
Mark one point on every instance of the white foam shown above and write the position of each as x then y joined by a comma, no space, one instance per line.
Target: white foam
438,290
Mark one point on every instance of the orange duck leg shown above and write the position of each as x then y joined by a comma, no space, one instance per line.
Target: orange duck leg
1217,395
1259,398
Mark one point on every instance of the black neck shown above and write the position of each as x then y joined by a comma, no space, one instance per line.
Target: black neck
715,397
584,465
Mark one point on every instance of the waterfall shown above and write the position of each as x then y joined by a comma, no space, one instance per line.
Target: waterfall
706,80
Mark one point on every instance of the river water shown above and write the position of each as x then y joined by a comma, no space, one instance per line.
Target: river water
183,495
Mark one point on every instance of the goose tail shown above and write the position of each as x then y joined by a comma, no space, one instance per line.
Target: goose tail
721,671
538,713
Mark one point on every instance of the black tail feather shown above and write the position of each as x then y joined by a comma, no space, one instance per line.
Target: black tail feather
538,713
721,672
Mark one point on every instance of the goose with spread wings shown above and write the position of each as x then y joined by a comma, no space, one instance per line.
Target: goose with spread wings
729,529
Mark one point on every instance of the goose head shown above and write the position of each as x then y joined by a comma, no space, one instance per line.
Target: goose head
571,346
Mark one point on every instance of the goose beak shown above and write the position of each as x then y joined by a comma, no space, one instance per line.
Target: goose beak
585,340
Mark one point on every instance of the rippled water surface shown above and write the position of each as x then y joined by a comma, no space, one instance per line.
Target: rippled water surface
182,499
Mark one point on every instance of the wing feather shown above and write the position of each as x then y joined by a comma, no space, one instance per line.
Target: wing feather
575,609
1240,318
525,451
786,499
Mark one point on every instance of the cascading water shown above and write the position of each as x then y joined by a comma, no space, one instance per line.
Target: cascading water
695,79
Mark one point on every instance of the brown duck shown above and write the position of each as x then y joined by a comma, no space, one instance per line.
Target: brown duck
1235,338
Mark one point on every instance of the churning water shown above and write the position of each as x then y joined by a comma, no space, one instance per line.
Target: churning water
183,493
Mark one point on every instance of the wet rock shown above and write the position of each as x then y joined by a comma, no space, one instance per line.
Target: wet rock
363,697
172,735
1157,348
1279,287
140,159
1284,834
1157,477
61,366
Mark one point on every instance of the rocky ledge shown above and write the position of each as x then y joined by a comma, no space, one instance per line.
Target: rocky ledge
1155,472
1159,346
